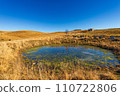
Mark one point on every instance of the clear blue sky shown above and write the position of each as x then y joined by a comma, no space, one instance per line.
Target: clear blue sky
58,15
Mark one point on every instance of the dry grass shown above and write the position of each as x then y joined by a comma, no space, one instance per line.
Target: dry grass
20,35
13,67
107,32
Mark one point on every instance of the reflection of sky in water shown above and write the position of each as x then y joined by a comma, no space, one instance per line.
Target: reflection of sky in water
91,55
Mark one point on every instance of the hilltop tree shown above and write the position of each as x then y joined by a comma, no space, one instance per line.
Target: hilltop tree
66,31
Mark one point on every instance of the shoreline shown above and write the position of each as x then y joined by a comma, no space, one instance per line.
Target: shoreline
11,57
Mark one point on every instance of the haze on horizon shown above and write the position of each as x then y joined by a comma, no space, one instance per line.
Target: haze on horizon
58,15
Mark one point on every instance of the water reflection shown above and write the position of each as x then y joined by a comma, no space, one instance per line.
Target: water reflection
68,53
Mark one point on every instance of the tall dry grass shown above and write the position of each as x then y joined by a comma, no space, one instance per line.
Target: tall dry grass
10,55
12,66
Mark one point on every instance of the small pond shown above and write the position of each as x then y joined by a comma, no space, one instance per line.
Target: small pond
68,53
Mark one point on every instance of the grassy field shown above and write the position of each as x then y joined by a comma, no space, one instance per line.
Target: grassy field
20,35
12,65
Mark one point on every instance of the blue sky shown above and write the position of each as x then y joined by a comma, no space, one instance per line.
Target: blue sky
58,15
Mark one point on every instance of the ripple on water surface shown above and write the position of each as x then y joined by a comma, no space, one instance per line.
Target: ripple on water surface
88,54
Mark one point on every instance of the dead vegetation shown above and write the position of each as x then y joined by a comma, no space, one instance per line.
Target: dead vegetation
12,66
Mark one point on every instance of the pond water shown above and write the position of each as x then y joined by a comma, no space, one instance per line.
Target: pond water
67,53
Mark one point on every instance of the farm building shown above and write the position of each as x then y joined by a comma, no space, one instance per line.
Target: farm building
91,29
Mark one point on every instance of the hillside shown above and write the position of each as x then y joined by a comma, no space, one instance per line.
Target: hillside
12,66
25,34
15,35
107,32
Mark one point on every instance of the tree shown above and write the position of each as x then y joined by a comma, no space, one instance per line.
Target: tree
66,31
